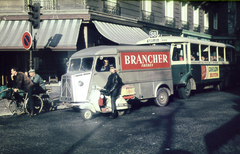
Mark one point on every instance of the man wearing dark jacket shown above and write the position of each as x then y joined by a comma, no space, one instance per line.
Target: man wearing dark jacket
113,86
22,81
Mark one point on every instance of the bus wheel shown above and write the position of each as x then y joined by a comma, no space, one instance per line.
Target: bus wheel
184,92
86,114
162,97
224,85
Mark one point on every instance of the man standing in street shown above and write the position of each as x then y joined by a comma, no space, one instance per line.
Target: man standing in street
39,85
113,86
22,81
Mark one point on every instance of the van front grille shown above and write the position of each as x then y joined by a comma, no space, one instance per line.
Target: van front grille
66,90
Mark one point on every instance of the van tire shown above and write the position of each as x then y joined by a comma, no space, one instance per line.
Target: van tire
162,97
184,92
86,114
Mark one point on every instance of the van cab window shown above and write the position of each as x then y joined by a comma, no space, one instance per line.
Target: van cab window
84,64
74,65
103,63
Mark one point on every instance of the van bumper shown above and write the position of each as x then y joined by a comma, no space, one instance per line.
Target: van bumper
82,105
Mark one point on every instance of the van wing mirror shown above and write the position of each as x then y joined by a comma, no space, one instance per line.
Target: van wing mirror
67,63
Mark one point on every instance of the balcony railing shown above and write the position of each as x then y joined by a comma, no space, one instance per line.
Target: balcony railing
196,28
169,22
147,16
185,25
111,8
46,4
206,30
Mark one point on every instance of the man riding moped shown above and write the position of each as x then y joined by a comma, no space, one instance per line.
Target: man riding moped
113,87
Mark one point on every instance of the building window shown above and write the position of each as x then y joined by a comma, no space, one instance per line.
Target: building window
169,9
184,11
206,23
196,16
147,14
215,21
147,6
111,7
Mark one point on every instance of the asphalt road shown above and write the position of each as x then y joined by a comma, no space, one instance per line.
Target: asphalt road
206,123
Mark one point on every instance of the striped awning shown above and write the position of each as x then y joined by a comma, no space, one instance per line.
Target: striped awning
54,34
119,33
11,34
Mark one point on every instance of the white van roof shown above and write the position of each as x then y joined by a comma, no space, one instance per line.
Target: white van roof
108,50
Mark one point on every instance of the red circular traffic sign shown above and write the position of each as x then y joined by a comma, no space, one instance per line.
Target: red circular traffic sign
27,40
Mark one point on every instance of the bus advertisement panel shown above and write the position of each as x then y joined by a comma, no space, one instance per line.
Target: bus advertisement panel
145,60
210,72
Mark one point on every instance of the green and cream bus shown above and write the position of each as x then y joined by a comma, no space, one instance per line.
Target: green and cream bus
197,63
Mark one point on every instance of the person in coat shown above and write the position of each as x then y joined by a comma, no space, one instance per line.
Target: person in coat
23,82
39,85
113,86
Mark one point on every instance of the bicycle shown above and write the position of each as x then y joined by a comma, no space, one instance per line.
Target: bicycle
19,102
43,101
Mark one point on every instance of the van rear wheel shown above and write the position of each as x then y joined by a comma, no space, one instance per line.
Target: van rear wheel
162,97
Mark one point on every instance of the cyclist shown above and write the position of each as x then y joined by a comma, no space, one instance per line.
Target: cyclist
22,81
39,85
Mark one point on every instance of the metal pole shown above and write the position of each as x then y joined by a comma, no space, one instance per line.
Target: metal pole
30,50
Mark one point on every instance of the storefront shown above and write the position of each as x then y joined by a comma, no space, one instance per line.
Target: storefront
56,41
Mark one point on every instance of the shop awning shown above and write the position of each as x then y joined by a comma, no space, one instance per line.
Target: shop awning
58,34
11,34
54,34
119,33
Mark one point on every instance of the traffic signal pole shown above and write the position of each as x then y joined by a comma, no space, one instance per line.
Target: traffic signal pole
30,50
34,18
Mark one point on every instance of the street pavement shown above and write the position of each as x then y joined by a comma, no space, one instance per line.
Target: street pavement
206,123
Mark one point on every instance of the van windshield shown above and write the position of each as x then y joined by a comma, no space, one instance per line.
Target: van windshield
83,64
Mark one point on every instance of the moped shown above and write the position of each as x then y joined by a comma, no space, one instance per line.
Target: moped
100,103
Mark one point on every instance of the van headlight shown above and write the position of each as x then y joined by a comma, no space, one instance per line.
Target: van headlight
80,83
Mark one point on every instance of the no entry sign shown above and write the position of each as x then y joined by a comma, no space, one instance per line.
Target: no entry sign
27,40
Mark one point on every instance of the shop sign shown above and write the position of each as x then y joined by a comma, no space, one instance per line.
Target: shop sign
144,60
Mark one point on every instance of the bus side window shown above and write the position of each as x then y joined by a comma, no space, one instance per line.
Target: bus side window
213,56
103,64
194,52
178,54
204,53
220,54
229,54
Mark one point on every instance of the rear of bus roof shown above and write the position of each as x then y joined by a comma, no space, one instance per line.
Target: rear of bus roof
178,39
108,50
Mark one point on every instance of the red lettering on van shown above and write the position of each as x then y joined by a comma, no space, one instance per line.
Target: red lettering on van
144,60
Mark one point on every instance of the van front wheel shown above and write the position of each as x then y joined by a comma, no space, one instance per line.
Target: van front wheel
86,114
162,97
